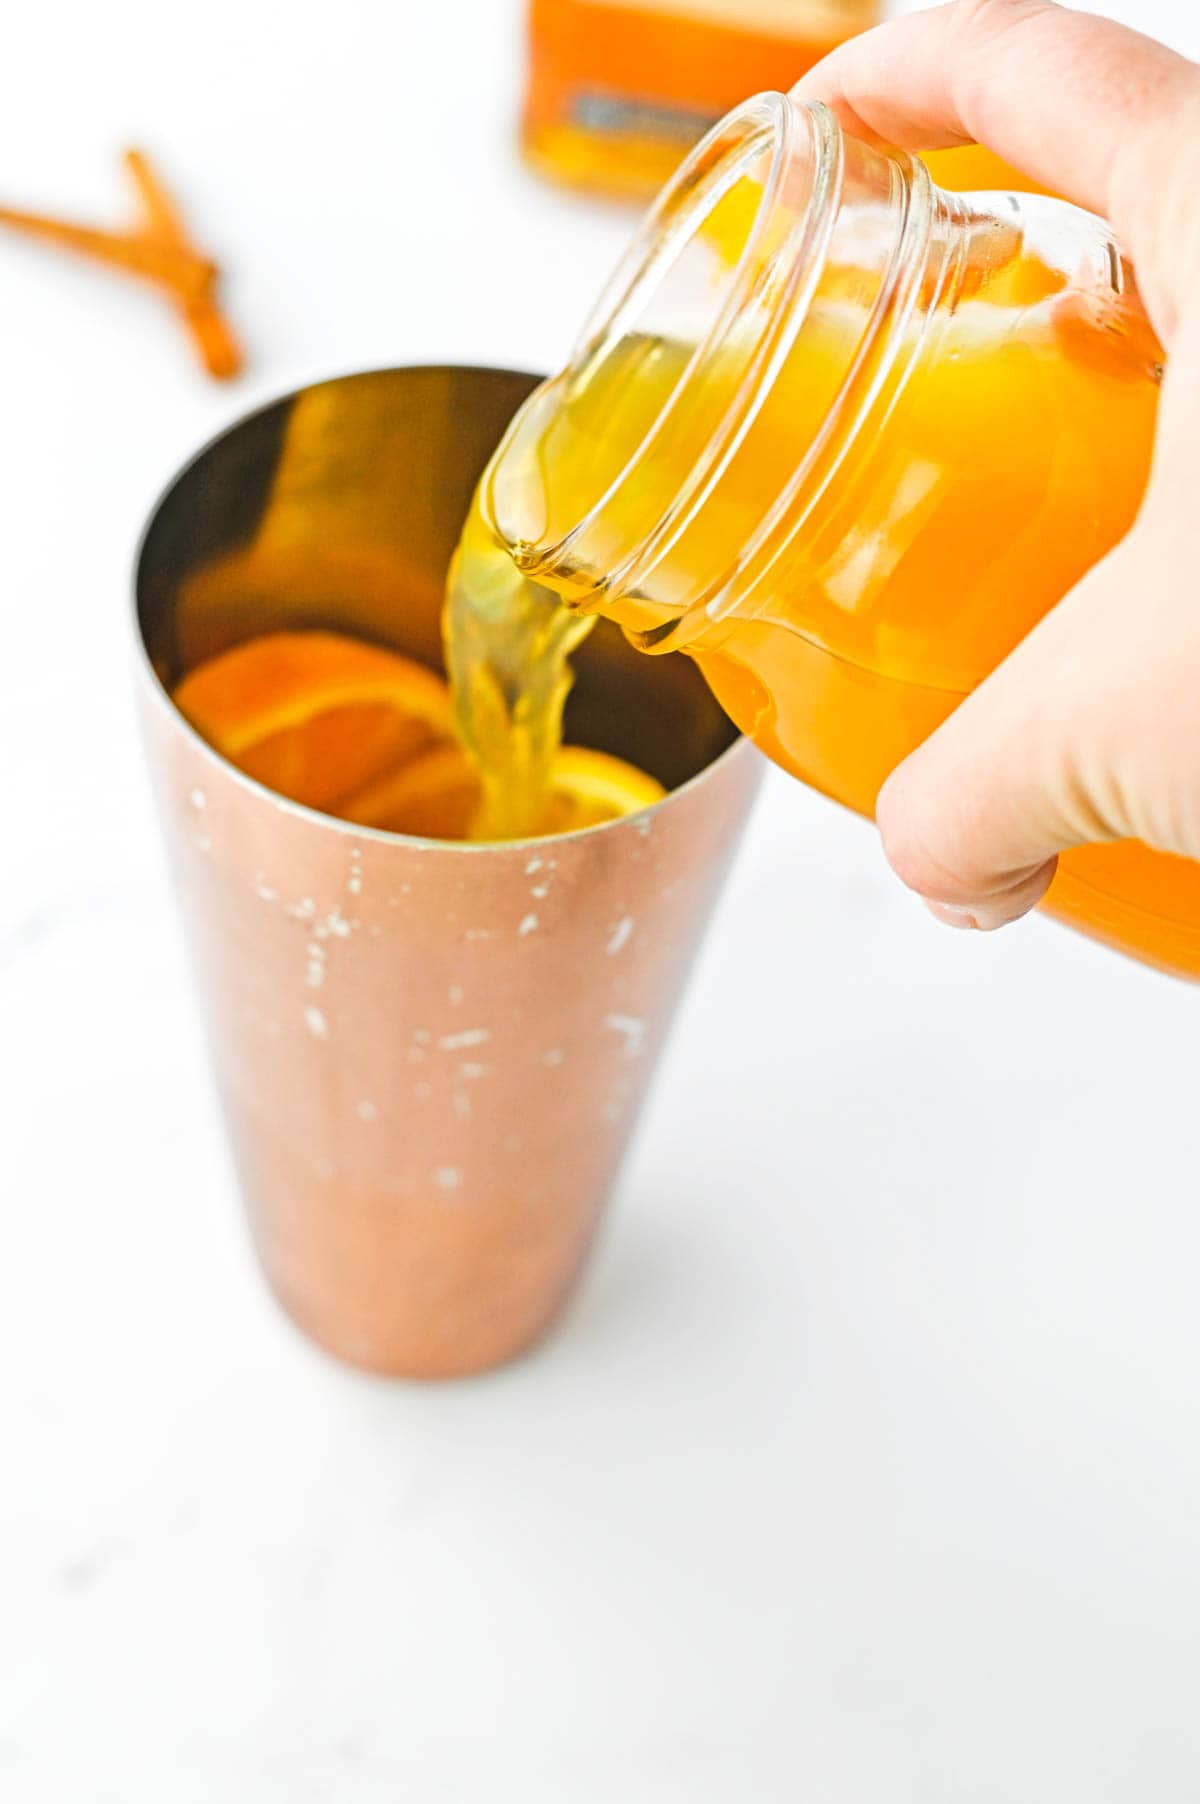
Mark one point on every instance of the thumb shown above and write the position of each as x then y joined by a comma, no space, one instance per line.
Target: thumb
1026,766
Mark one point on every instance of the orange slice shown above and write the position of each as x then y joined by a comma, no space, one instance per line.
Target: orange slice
433,796
589,788
315,716
437,795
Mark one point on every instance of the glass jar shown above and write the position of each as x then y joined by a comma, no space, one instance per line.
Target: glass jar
843,438
619,90
969,168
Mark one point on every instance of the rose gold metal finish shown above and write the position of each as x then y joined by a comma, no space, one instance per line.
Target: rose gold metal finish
431,1055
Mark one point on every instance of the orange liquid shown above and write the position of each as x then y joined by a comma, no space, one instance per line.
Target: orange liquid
970,169
337,723
618,93
1011,459
843,676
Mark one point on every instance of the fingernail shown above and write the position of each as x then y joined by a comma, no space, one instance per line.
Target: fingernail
951,915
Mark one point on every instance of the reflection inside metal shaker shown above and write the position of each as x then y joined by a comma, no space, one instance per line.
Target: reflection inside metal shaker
337,509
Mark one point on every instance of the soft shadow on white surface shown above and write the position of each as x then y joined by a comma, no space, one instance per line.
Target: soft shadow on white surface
861,1463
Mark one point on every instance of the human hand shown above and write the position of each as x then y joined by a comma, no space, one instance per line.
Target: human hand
1090,729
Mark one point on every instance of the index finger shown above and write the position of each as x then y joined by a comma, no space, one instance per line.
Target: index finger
1079,103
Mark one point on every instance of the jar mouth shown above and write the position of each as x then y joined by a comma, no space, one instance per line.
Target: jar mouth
785,160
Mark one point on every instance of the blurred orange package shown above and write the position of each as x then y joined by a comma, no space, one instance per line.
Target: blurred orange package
619,90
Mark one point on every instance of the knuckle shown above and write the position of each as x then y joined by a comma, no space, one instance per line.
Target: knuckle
997,14
1003,12
981,27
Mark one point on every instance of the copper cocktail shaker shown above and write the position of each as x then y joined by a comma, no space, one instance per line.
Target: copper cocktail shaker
430,1054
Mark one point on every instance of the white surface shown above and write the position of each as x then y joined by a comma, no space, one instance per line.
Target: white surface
865,1468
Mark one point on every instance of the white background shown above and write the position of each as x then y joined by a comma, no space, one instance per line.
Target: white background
864,1470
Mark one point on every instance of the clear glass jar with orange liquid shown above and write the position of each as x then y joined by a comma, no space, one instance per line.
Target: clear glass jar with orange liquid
970,168
843,437
619,90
